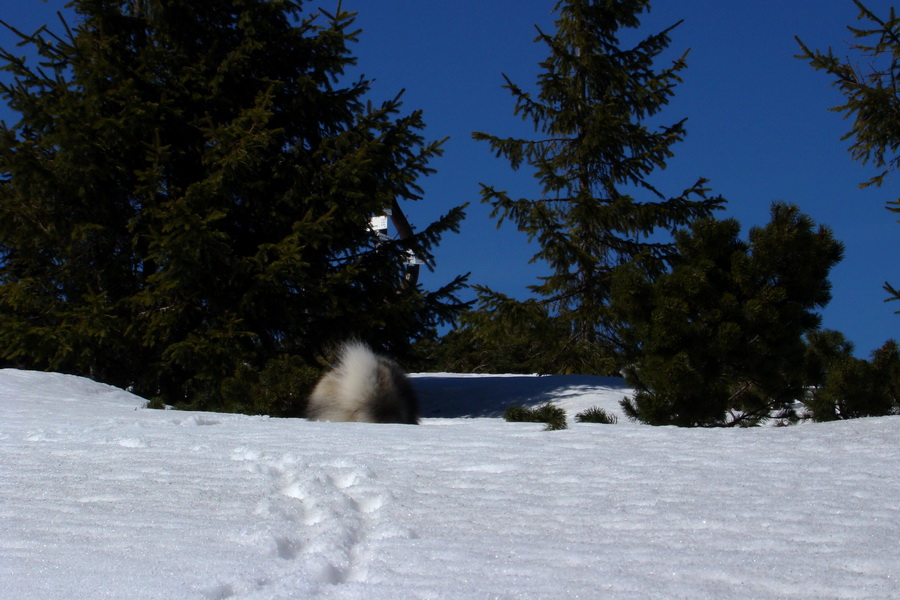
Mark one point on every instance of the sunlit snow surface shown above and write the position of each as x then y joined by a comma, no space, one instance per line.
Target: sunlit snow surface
101,498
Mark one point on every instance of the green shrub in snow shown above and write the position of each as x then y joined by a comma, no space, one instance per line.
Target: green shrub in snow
595,414
553,416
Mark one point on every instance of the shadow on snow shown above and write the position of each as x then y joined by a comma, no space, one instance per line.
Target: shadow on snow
447,395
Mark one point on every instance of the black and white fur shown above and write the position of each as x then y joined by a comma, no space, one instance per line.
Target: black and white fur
364,387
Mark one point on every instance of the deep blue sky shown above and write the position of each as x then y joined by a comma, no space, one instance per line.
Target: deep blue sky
758,126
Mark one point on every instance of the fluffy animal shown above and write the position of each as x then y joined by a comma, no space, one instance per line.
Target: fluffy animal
364,387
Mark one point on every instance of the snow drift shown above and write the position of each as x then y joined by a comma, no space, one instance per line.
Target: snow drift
102,498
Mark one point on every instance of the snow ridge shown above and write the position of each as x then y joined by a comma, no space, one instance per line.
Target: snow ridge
106,499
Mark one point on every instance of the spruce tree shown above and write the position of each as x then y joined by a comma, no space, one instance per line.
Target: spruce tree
186,198
596,116
720,337
869,81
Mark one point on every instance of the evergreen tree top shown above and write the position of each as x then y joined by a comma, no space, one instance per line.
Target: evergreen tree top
594,152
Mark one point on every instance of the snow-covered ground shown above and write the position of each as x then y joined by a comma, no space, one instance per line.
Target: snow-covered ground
101,498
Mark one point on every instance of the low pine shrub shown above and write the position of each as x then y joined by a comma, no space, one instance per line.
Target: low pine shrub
595,414
553,416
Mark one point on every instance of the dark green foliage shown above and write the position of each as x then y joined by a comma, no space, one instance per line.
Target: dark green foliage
824,348
849,387
720,336
593,154
505,336
596,414
508,336
868,79
552,415
280,389
184,204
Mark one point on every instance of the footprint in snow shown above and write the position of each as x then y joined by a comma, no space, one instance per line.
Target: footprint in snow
133,443
198,421
326,516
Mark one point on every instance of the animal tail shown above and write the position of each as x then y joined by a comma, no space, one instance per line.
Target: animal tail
363,386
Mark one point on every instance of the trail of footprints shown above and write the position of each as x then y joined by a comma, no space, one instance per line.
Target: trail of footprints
324,514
